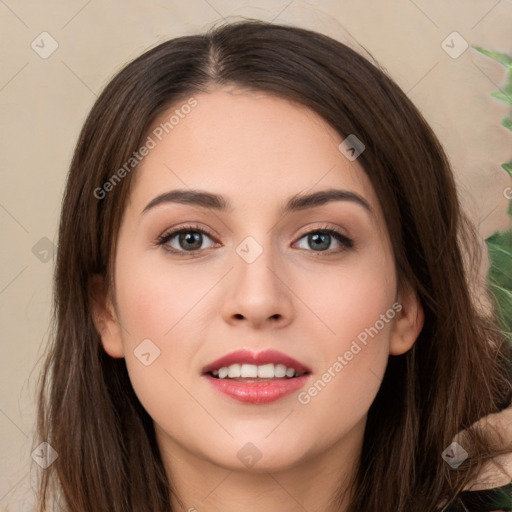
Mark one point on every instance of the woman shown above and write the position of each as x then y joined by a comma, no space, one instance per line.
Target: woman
261,293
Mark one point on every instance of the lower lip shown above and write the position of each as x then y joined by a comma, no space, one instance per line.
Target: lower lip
262,392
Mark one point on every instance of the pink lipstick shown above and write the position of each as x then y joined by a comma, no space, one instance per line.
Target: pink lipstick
256,378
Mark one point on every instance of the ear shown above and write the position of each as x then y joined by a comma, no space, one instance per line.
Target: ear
104,317
408,321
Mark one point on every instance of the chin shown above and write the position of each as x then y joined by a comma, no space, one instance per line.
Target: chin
262,456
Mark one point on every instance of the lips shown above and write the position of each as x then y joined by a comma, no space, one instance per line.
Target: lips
260,358
278,376
257,393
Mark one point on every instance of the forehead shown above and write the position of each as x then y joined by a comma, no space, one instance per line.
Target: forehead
248,146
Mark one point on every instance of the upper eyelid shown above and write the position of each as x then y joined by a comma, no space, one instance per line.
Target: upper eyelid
177,230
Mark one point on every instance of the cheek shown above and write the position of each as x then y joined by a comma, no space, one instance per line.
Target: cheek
356,306
156,298
158,311
349,299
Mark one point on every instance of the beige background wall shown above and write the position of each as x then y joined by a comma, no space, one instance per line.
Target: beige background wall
45,100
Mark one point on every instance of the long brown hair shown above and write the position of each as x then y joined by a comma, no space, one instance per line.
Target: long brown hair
457,370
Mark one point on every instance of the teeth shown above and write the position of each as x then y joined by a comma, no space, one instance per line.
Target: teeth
249,370
234,371
280,370
264,371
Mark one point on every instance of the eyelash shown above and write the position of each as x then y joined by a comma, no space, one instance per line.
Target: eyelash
163,239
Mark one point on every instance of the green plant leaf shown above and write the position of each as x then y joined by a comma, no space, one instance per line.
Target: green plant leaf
503,96
499,244
502,58
499,275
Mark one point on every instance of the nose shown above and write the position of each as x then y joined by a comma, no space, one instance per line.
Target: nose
258,293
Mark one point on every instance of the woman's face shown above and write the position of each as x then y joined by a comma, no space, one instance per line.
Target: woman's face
259,274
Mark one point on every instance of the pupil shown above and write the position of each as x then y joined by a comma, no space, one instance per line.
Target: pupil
189,238
323,238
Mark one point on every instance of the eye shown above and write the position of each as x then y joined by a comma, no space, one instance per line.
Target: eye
187,239
321,239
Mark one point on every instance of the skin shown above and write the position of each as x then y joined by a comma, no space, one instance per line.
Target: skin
257,151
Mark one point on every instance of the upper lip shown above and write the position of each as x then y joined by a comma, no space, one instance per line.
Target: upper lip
257,358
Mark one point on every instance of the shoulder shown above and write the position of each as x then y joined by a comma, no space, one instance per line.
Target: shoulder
491,489
498,472
497,499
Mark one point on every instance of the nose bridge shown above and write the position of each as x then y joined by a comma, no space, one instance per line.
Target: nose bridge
254,268
257,292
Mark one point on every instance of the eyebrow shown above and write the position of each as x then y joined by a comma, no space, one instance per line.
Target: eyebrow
219,203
